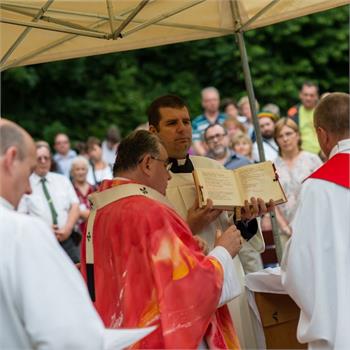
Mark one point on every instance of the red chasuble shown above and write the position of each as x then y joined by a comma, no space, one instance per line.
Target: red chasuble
336,170
150,271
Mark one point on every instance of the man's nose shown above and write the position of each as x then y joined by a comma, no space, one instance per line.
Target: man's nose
181,126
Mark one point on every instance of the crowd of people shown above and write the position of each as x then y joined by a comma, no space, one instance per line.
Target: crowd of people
142,224
223,132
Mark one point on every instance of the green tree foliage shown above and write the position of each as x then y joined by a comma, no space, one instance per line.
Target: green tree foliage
86,95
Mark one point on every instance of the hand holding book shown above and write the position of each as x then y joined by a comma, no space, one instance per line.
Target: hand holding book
229,189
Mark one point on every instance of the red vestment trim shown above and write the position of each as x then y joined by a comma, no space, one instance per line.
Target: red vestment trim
336,170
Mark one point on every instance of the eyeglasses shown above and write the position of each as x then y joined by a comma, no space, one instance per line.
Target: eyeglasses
166,162
216,136
43,159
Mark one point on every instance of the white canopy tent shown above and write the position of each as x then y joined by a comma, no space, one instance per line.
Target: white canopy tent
38,31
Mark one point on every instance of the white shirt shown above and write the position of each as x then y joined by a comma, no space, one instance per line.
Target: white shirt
315,266
61,192
108,155
270,149
43,300
64,162
100,174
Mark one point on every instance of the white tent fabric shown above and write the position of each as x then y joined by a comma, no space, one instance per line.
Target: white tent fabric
36,31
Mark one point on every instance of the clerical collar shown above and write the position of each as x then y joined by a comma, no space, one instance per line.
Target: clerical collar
343,146
181,165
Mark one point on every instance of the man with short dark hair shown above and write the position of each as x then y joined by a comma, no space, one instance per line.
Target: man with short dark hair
318,250
64,154
110,145
302,114
267,129
143,266
169,119
43,301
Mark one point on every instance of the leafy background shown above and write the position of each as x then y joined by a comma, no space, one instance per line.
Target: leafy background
84,96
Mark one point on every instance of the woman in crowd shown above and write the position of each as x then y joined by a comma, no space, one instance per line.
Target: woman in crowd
293,166
79,170
99,170
242,144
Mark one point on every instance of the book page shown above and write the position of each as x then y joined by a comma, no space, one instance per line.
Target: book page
219,185
258,180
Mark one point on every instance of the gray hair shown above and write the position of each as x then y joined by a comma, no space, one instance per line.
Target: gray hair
79,160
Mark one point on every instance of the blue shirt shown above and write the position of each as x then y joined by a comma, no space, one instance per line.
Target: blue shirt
201,122
236,161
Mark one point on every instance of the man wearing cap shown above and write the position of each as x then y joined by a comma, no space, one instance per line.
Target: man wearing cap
267,128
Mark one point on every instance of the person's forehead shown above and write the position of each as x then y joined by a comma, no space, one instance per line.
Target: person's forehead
265,120
210,95
286,128
61,138
167,113
309,90
215,129
79,164
42,151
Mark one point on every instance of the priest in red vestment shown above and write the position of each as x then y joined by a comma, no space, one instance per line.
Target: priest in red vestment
143,266
315,267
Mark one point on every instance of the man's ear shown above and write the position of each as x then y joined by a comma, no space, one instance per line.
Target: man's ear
153,129
146,164
10,157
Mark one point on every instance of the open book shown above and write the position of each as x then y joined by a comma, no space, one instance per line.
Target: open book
230,188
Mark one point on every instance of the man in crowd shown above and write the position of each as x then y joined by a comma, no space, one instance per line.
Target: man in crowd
43,300
64,154
54,200
169,118
246,116
216,139
148,268
110,145
318,251
267,128
303,113
211,115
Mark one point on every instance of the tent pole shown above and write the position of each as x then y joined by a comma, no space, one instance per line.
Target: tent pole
251,96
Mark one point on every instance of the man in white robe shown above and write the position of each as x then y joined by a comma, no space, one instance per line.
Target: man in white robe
169,118
43,300
315,267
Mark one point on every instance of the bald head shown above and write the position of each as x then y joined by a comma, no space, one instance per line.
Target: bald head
13,135
332,114
17,161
